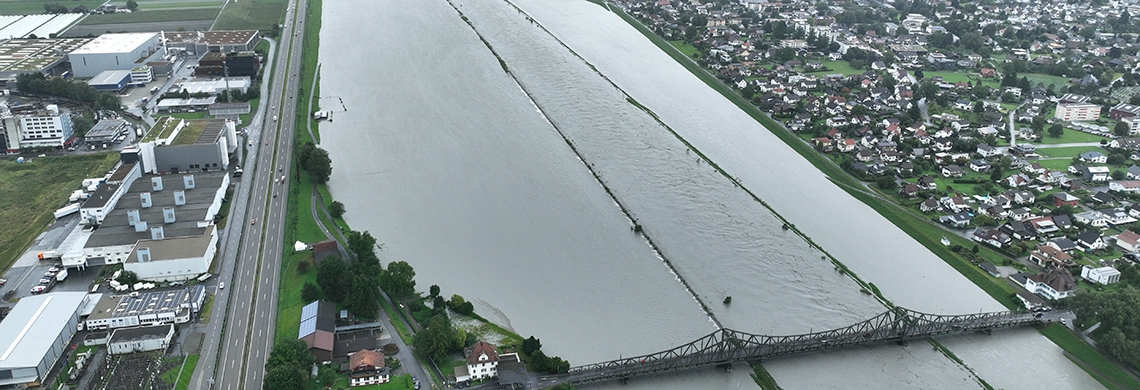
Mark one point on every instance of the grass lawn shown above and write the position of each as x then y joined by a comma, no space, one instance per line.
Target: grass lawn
302,228
168,15
1070,136
205,313
840,66
1065,338
1045,80
252,15
187,369
950,77
190,115
28,7
398,382
1069,152
1060,164
27,213
686,48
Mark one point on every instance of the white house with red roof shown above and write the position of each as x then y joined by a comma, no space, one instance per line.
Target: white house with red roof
1128,241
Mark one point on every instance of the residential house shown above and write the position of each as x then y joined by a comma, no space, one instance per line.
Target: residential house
1102,275
1118,216
992,236
926,182
1049,256
1103,197
482,361
952,171
1093,157
1133,172
1092,218
1064,199
1095,174
1020,214
977,165
1023,197
908,190
1018,180
929,205
1125,186
1043,225
1018,230
1091,240
1062,221
958,220
987,151
1054,284
954,203
1128,241
367,368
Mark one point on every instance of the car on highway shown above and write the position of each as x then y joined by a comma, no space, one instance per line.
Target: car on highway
282,179
221,285
253,221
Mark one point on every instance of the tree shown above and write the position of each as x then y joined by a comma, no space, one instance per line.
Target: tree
128,278
455,301
132,5
399,280
361,244
1119,314
1056,131
81,124
978,107
436,339
1118,175
333,277
310,292
1121,129
316,161
530,345
886,183
362,298
336,209
433,290
288,365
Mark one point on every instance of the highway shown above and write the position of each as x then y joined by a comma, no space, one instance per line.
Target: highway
250,317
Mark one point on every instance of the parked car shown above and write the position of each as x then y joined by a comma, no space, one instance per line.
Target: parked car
3,282
45,281
38,289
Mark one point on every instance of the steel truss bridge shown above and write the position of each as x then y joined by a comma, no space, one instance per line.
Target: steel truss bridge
727,346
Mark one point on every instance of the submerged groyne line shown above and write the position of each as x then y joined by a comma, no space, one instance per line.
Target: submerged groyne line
866,287
628,214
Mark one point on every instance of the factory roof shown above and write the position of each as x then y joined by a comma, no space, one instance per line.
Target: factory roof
115,43
109,77
231,37
33,326
106,128
216,85
174,248
125,335
116,230
27,55
200,132
147,302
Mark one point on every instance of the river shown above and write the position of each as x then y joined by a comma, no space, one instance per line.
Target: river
450,164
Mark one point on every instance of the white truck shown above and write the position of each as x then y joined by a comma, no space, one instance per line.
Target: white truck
67,210
61,275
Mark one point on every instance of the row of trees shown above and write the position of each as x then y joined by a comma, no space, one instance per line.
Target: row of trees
357,282
1119,314
438,336
538,361
36,83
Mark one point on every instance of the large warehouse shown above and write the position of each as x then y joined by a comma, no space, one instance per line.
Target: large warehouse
116,52
35,334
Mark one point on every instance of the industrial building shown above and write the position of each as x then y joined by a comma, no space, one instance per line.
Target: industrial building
104,198
173,259
33,127
153,209
176,145
217,86
35,334
233,64
142,75
229,109
184,105
124,51
110,80
35,55
141,339
146,308
106,130
200,42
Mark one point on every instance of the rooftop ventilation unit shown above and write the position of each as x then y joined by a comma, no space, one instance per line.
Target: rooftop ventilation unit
188,181
179,198
144,255
156,233
168,215
140,227
144,198
133,217
156,183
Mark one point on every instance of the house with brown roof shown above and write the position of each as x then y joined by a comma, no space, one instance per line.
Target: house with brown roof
1128,241
318,328
367,368
482,362
1054,284
1050,257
